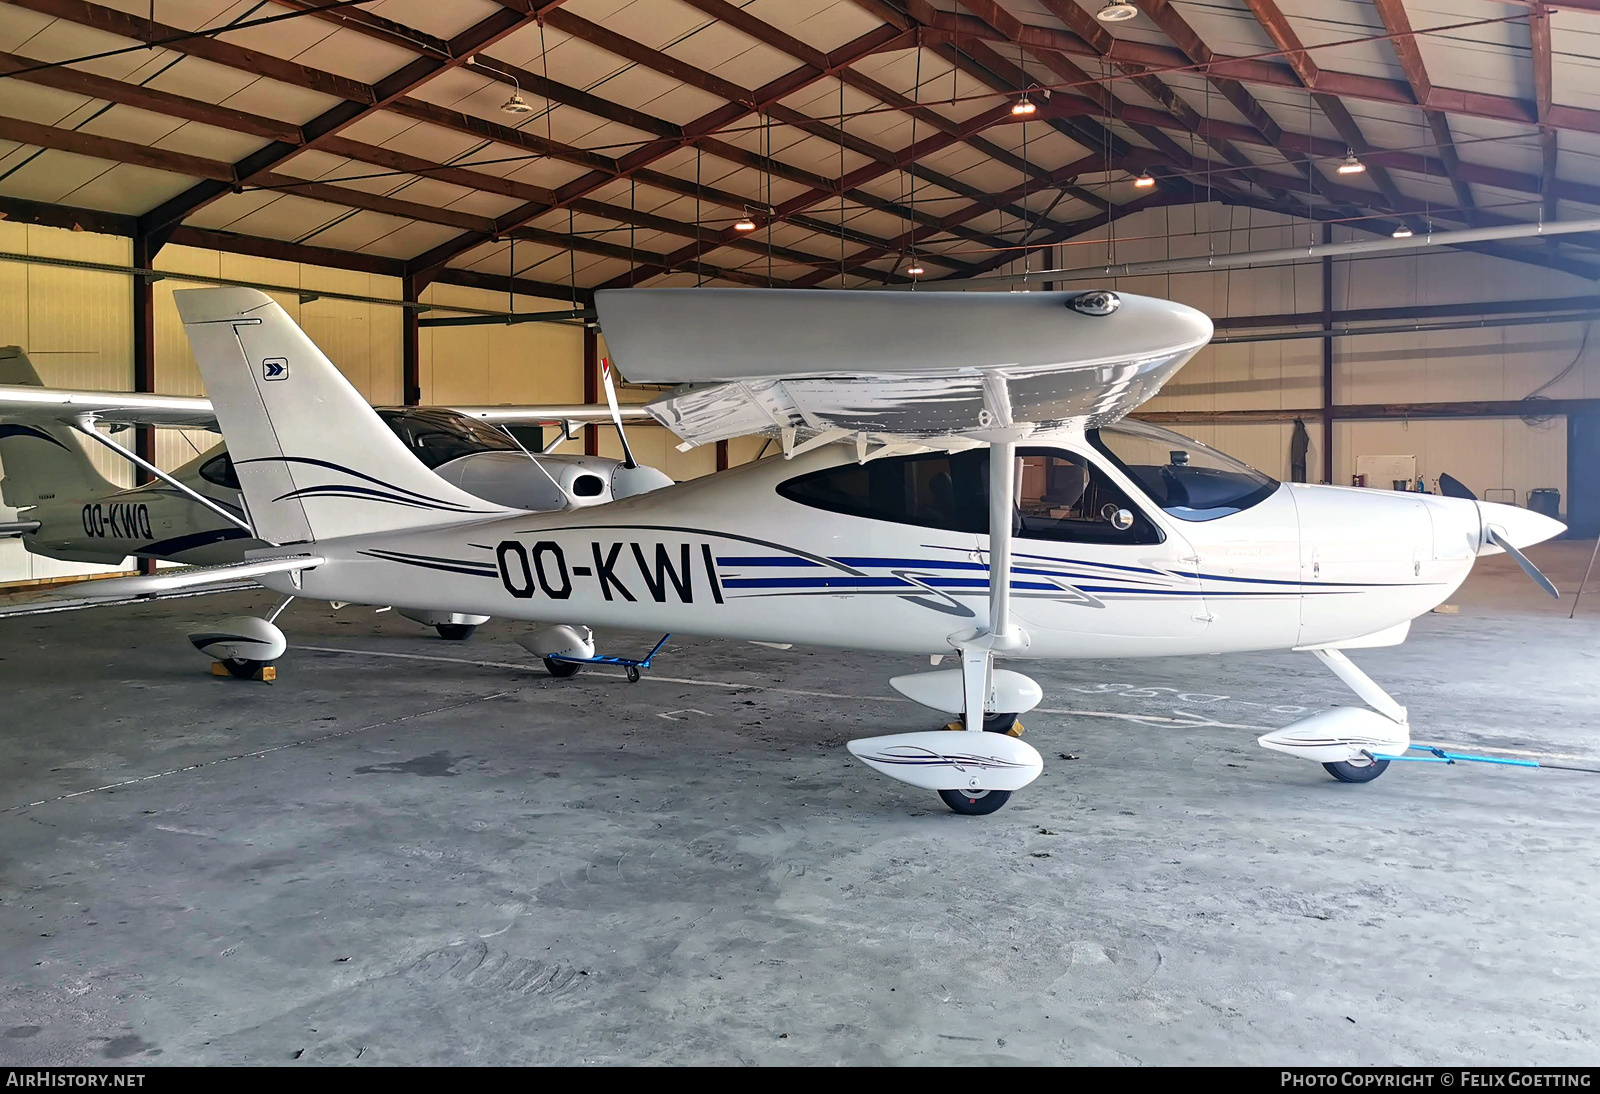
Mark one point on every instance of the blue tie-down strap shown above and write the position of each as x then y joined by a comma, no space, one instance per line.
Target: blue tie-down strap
1437,755
633,665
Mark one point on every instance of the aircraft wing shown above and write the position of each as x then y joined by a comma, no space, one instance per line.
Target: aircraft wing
21,404
549,415
913,365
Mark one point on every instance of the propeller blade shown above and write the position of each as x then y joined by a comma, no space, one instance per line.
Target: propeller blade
616,412
1451,487
1499,539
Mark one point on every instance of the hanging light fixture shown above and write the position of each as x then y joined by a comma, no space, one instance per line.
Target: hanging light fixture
516,104
1116,11
1023,107
744,223
915,269
1350,165
1144,181
1402,232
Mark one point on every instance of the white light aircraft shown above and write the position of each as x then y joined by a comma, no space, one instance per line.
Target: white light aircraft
956,480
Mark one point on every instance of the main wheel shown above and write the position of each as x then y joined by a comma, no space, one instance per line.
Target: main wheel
243,668
1357,771
1002,723
455,632
975,803
992,723
561,669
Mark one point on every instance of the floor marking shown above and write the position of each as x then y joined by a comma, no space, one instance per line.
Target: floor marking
1180,720
260,752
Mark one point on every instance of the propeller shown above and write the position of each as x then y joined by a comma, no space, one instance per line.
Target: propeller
1498,537
1452,487
616,413
632,477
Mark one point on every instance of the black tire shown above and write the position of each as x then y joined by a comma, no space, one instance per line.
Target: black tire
455,632
243,669
999,723
561,669
981,805
633,674
1362,771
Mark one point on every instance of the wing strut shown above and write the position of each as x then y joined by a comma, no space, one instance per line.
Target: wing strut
85,424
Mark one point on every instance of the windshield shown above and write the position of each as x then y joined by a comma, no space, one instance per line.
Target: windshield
1184,477
436,436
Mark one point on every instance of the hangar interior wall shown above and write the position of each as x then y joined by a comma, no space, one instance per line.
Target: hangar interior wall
77,326
1478,364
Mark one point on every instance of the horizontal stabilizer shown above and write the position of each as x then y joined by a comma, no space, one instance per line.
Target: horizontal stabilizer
185,577
18,527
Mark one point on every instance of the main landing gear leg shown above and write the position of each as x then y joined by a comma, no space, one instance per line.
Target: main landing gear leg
974,772
977,674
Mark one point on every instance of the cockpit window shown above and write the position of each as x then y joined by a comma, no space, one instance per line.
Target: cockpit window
935,490
1060,495
1187,479
437,436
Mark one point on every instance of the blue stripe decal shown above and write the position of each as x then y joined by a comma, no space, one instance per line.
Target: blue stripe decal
813,582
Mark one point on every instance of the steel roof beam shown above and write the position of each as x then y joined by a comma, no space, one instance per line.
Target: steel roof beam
1272,72
1398,23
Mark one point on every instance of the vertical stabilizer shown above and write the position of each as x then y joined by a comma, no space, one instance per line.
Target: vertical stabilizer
313,459
42,461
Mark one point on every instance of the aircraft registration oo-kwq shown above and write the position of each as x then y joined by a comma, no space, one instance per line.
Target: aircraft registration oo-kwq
932,443
194,514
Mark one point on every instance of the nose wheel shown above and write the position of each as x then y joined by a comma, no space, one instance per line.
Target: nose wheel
975,803
1356,771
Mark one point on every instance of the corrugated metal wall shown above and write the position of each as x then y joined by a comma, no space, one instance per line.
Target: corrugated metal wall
1491,363
77,326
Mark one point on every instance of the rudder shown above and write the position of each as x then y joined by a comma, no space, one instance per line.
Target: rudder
313,458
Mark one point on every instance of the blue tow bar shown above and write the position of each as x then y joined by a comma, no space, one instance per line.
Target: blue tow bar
1437,755
630,664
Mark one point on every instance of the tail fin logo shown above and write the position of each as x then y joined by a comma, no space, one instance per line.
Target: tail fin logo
275,368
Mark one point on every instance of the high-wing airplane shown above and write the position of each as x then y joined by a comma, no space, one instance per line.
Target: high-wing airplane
195,514
956,480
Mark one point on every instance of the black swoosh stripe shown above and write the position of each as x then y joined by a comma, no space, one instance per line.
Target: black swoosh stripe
30,431
355,474
434,565
366,493
179,544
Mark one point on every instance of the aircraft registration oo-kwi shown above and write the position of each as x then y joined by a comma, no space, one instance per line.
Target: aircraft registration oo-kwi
956,478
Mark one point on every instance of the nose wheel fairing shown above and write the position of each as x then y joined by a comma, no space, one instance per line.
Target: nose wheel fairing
1354,744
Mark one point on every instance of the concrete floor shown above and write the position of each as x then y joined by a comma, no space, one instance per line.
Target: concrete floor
433,853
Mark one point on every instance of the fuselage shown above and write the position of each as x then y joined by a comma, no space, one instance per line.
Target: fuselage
821,550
